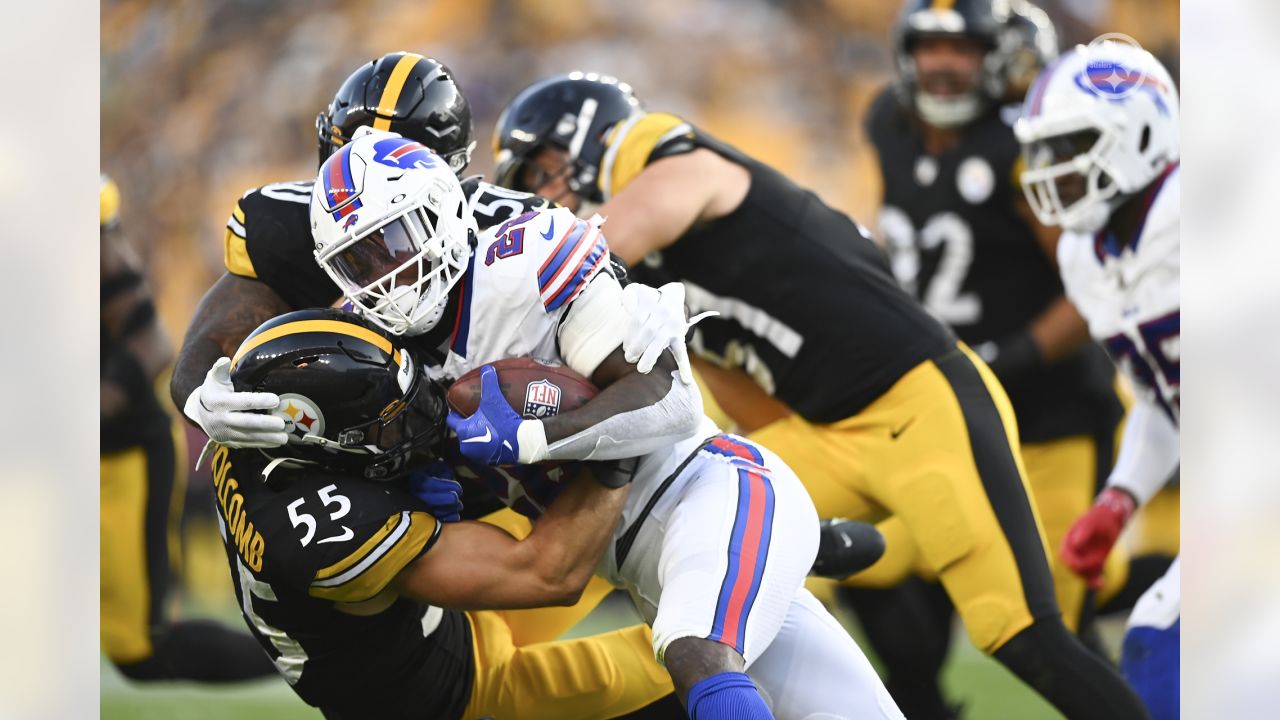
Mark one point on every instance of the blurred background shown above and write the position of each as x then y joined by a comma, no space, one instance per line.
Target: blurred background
201,101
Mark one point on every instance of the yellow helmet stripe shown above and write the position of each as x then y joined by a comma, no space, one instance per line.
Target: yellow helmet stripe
391,93
306,326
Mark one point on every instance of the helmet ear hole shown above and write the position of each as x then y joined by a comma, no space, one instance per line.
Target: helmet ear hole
1145,140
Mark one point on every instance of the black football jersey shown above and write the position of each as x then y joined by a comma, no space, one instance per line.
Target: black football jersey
268,236
808,306
307,541
957,242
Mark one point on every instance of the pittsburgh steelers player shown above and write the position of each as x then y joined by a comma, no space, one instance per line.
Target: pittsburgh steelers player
270,269
142,487
867,397
1100,132
962,240
356,590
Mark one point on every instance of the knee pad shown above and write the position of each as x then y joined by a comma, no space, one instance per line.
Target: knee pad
581,669
1150,663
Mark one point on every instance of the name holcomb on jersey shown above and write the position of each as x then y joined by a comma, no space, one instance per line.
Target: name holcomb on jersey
268,236
308,542
808,306
1129,293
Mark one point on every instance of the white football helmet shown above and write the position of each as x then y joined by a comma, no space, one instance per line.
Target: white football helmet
1098,125
392,228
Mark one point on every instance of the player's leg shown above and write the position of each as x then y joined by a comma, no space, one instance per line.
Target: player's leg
814,669
603,676
142,491
537,625
987,543
908,626
731,554
1152,642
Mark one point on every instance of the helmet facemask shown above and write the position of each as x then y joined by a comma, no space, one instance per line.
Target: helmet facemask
1066,179
400,272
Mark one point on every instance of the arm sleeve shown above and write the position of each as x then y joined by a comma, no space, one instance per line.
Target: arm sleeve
675,417
1148,452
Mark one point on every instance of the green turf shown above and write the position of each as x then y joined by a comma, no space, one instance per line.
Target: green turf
987,690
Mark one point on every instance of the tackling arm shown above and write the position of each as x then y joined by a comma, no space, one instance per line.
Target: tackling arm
234,307
477,566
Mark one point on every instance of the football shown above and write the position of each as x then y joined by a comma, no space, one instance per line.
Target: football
535,389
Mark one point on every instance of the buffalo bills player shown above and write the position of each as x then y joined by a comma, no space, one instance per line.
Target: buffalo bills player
1100,132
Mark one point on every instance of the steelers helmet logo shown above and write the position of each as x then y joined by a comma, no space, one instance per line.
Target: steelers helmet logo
301,416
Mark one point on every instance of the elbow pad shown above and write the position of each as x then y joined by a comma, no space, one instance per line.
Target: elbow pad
625,435
1148,453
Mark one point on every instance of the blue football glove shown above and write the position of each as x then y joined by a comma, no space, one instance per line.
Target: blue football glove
488,436
435,486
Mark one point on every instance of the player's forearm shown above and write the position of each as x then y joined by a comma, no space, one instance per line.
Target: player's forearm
1148,453
633,416
1059,330
569,538
228,312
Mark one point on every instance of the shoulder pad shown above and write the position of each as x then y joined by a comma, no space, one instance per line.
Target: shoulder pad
359,535
630,145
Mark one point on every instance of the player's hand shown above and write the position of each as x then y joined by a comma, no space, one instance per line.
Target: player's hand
489,436
1090,539
657,323
228,417
435,486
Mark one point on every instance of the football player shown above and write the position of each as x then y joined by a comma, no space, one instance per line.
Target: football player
962,240
142,489
870,399
717,535
270,270
1100,133
356,590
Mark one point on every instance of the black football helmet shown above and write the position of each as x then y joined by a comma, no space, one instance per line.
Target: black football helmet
571,112
405,93
352,400
984,21
1031,44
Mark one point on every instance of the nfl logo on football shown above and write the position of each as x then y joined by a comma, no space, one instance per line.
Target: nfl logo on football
541,399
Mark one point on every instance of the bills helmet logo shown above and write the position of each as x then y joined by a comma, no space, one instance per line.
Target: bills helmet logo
404,154
541,400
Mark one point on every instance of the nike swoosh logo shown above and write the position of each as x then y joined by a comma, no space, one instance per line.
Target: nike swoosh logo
346,535
551,230
893,434
486,437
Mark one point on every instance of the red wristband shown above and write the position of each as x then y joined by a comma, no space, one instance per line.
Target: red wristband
1119,501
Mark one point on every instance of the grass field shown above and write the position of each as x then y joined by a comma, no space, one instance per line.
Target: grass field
988,691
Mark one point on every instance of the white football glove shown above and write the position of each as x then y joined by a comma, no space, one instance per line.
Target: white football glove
226,415
657,323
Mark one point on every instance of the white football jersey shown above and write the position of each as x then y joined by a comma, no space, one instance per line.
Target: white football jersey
1130,297
515,301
